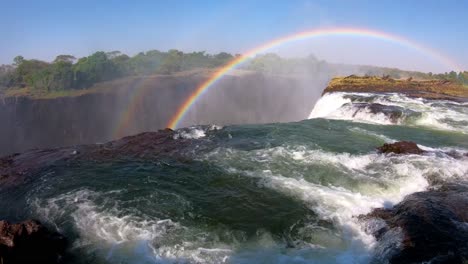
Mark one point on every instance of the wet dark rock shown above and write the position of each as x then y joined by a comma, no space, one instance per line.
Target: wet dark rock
394,113
78,118
15,169
400,147
144,145
29,242
434,224
456,154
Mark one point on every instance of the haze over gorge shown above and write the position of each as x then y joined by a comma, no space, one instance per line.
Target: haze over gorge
96,117
235,132
348,184
265,89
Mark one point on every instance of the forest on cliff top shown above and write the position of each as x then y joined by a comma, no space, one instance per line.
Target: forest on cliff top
67,73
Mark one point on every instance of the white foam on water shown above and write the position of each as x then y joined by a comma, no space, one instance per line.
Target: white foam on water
337,106
363,115
138,239
328,104
383,181
96,223
191,133
438,119
372,134
195,132
380,181
214,127
436,114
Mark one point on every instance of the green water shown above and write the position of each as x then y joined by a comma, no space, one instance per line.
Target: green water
275,193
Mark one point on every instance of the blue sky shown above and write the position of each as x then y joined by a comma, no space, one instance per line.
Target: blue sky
44,29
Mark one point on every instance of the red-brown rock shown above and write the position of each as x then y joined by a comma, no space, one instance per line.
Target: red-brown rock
29,242
401,147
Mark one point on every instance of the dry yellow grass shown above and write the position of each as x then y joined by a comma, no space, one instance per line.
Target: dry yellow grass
429,89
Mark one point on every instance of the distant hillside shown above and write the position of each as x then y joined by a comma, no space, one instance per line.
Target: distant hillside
68,76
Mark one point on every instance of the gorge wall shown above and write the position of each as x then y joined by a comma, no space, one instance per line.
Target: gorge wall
137,104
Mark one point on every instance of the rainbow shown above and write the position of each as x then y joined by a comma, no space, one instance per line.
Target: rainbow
192,99
125,118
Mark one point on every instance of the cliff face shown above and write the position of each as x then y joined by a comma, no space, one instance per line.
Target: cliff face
432,89
28,123
89,118
149,103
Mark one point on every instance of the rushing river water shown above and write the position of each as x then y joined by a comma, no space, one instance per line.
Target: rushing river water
274,193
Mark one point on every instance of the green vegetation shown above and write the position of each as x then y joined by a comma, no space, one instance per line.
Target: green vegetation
69,75
461,77
66,73
274,64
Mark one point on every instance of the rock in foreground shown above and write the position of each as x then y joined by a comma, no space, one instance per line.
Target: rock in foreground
401,147
15,169
29,242
434,225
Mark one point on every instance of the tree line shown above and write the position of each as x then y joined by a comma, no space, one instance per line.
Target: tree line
460,77
67,72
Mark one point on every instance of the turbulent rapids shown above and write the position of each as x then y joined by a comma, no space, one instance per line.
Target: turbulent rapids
275,193
393,108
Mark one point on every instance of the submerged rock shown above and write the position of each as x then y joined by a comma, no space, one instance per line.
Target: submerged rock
434,224
16,169
394,113
456,154
29,242
400,147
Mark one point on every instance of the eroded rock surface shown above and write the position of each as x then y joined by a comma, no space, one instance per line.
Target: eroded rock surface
400,147
430,89
29,242
434,226
15,169
392,112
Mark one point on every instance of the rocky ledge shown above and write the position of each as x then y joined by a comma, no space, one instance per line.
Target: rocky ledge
392,112
408,147
16,168
401,147
433,226
426,227
29,242
431,89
